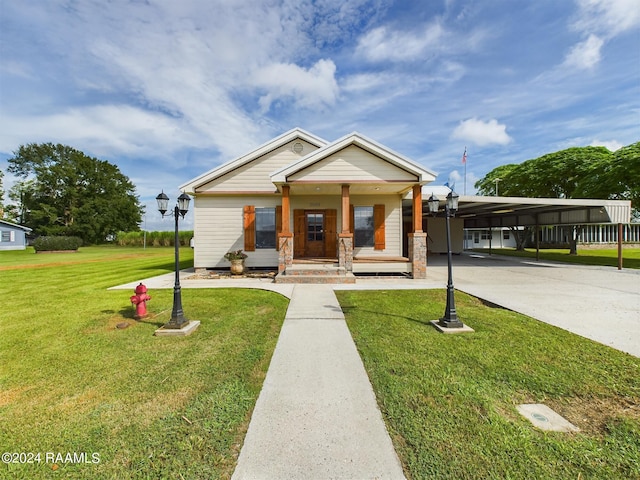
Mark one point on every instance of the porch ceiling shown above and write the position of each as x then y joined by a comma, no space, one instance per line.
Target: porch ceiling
335,188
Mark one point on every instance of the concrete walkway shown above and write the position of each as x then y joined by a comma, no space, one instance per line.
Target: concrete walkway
316,416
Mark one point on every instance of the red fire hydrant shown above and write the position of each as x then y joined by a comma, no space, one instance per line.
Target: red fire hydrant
140,301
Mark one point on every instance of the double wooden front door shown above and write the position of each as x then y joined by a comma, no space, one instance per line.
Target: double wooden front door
314,233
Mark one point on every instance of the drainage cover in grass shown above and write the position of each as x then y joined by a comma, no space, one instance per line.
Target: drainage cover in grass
545,419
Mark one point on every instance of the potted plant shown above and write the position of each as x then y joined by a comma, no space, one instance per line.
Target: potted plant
236,257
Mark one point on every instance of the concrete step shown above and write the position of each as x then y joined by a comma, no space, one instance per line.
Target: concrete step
314,270
310,278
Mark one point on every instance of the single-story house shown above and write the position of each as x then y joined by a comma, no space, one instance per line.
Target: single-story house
308,207
299,199
13,236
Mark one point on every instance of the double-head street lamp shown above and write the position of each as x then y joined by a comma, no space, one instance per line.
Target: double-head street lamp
180,210
450,318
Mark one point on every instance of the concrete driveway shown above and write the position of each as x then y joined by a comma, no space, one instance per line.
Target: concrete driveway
600,303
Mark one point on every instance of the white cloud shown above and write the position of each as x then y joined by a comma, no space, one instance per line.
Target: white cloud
315,87
482,133
585,55
384,44
608,17
612,145
600,21
457,182
103,130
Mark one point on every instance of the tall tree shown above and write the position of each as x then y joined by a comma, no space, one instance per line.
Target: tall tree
498,176
66,192
618,178
579,172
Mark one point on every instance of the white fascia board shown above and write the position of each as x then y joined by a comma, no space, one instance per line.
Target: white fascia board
263,149
15,225
424,175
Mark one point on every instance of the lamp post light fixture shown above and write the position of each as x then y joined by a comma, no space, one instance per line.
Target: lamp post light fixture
178,321
450,317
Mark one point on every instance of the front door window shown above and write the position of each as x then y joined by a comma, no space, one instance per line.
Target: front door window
315,227
315,234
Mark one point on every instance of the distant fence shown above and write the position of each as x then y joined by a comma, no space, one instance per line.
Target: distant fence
153,239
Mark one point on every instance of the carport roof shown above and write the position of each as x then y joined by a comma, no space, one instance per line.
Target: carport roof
484,212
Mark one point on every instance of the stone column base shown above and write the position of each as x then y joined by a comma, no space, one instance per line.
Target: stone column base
285,252
418,254
345,251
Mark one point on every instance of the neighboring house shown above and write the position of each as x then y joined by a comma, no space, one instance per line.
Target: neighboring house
300,199
13,236
489,238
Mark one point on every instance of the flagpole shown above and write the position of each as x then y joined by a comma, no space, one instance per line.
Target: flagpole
464,161
465,178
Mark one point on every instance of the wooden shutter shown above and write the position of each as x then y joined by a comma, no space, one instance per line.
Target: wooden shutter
330,233
298,233
378,227
249,228
278,225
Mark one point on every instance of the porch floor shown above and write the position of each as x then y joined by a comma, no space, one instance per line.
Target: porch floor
376,259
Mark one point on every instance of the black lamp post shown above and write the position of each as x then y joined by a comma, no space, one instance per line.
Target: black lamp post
450,318
180,210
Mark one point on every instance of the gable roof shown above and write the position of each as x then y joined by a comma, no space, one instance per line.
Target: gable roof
291,135
15,225
359,140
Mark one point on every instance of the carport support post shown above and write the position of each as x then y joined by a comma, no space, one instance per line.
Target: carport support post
537,239
619,246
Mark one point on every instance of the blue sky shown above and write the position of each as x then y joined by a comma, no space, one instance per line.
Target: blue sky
167,90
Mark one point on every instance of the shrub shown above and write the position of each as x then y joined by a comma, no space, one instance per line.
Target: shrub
235,255
48,243
153,239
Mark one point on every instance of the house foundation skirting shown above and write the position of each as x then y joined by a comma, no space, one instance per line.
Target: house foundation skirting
418,254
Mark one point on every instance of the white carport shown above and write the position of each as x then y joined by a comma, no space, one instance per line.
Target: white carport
491,212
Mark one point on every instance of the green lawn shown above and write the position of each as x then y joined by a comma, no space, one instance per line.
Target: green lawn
150,407
449,401
604,257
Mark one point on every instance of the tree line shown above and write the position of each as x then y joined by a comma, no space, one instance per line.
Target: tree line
62,191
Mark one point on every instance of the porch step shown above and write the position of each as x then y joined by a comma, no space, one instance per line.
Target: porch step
315,273
323,278
314,269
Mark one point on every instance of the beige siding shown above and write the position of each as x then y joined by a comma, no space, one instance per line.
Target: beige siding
392,224
219,229
255,175
353,164
219,225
